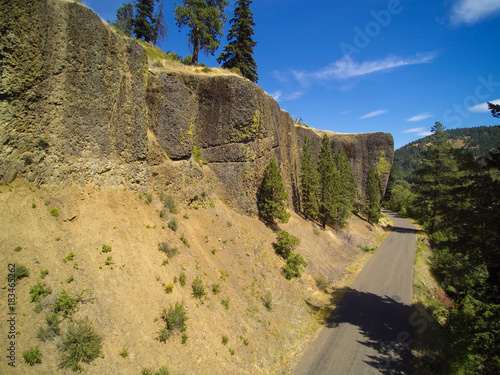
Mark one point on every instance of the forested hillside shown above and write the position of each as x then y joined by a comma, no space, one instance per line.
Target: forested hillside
479,140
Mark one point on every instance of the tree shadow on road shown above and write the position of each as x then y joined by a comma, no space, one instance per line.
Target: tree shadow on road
384,323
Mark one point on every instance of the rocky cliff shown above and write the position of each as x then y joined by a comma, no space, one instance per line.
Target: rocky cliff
79,103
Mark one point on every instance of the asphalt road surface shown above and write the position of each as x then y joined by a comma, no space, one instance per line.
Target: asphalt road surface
370,331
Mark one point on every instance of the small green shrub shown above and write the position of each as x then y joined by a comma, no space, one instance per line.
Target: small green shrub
268,301
171,204
173,224
109,261
158,64
44,273
20,271
32,356
294,267
184,338
322,283
185,241
18,249
70,279
52,329
231,351
223,275
66,303
246,342
169,288
105,248
198,288
225,302
175,320
70,257
188,60
225,339
236,71
229,224
39,291
167,250
206,70
124,353
285,243
147,371
182,279
368,249
81,343
215,288
54,212
149,198
185,216
196,152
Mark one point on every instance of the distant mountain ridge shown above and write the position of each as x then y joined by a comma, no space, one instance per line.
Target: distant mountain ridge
479,140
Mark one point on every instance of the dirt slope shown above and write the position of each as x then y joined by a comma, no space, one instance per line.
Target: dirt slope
125,300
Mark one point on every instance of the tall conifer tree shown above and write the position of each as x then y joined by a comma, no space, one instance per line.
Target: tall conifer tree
328,183
239,52
205,20
347,186
125,19
143,22
373,197
272,195
309,180
159,24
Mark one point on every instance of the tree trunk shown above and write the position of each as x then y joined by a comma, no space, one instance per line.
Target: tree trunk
196,50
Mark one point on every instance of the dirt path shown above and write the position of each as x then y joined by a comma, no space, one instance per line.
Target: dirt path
370,331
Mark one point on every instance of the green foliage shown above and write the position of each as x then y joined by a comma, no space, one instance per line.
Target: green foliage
125,19
165,248
225,302
44,273
368,249
106,248
294,266
182,278
39,291
198,288
268,301
32,356
309,181
124,353
494,109
66,304
171,204
272,196
225,339
143,22
20,271
169,288
231,351
205,21
372,208
52,329
81,343
54,212
347,185
238,54
329,183
109,261
160,26
173,224
175,320
196,152
285,243
215,288
401,198
70,257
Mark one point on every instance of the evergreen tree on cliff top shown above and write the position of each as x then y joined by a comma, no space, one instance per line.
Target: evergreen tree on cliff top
272,195
309,181
159,24
143,22
205,20
239,52
125,19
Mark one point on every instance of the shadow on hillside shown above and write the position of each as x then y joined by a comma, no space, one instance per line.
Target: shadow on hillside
385,325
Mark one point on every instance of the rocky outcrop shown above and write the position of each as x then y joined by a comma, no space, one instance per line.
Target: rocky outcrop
79,105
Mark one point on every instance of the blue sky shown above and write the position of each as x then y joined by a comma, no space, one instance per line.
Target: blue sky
395,66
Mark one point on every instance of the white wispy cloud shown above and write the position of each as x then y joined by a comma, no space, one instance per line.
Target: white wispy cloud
483,107
281,96
420,117
470,12
419,131
346,112
346,67
374,114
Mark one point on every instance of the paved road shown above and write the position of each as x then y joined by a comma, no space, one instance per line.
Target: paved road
370,332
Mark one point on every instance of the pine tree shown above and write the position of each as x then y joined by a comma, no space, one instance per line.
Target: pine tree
205,20
239,52
328,183
125,19
494,109
309,181
272,195
347,186
159,24
143,22
436,177
373,197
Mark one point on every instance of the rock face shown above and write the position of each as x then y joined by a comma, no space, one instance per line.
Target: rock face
79,105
